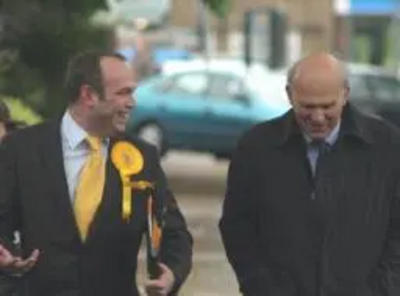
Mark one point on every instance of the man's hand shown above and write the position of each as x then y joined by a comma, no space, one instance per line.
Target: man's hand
163,285
15,265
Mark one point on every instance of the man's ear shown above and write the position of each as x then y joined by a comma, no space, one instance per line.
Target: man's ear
289,93
88,95
346,93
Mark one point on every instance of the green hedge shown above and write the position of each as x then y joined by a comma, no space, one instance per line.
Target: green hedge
21,112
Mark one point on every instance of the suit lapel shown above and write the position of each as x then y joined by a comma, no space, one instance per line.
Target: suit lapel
109,211
53,163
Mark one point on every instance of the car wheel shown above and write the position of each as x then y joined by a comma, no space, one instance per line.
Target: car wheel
153,134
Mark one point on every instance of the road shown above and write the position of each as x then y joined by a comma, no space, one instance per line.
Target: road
199,183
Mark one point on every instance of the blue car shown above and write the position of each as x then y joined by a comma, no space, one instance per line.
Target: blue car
204,109
160,54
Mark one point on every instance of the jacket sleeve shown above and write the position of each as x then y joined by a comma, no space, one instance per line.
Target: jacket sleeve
177,243
387,272
239,224
8,192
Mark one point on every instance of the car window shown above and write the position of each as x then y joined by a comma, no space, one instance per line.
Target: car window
358,88
191,84
385,88
225,86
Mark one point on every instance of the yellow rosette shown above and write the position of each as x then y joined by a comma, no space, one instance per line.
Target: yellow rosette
129,161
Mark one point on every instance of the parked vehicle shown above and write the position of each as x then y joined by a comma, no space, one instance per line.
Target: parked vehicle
376,91
205,107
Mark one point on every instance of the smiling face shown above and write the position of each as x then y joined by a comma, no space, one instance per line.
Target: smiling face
318,93
110,111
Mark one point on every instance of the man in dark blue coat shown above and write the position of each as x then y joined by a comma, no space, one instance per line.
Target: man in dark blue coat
312,206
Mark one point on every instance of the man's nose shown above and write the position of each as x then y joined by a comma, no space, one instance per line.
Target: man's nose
131,102
318,115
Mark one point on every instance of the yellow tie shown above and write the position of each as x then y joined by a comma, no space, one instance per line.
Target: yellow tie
89,190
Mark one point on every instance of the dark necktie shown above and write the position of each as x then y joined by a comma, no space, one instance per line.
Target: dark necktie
323,149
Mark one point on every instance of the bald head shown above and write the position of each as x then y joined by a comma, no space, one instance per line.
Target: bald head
320,66
317,88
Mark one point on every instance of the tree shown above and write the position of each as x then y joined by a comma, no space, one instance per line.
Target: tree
219,7
46,33
39,38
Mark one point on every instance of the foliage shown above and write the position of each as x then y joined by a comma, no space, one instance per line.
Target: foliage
46,34
20,111
219,7
39,36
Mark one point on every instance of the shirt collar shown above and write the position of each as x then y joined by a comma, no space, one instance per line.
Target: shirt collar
330,139
72,132
352,124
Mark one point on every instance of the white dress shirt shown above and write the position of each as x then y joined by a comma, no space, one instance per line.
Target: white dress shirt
75,150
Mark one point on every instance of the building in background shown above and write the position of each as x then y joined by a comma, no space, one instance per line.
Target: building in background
312,20
361,30
181,22
368,30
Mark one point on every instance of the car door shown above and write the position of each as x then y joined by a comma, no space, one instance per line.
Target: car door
182,107
229,110
386,93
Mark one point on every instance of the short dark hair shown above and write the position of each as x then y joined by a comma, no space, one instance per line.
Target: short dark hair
84,68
